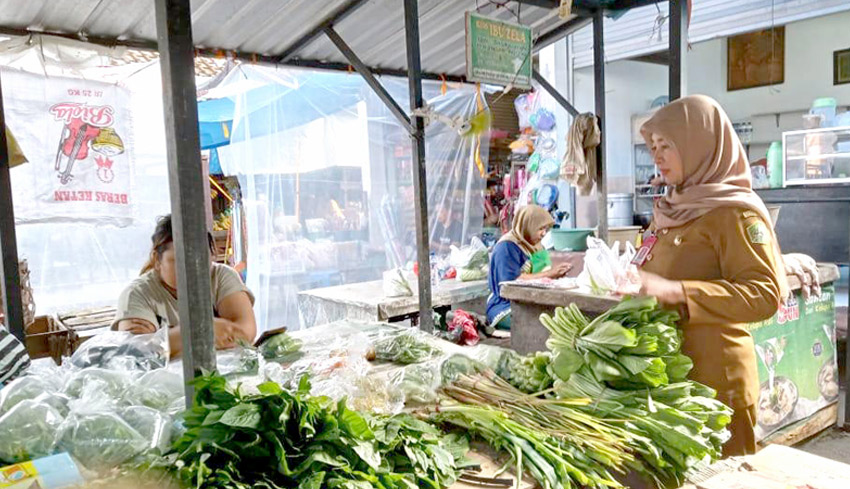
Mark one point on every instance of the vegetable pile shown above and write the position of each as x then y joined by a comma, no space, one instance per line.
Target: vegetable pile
281,439
628,361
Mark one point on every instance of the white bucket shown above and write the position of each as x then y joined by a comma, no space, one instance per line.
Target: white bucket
620,210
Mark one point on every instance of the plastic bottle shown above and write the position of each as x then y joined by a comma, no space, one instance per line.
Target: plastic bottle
435,277
774,165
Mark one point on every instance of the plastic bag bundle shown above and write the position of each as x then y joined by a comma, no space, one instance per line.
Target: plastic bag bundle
154,426
161,390
28,431
606,271
101,440
120,350
240,360
474,255
103,384
22,389
399,283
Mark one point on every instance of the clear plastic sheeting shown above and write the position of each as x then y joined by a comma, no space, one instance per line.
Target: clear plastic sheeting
327,180
79,265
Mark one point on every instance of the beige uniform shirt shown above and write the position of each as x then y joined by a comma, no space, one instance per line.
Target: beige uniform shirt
146,298
726,261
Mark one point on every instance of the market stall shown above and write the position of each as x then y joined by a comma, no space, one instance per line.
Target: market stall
109,412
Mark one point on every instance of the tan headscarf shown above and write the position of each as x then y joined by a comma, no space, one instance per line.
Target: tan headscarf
716,170
715,167
526,223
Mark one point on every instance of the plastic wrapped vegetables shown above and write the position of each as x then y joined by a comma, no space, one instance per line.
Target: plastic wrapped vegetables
28,431
282,348
528,373
405,348
101,441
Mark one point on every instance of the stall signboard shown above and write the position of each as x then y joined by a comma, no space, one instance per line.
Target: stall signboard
497,52
77,136
797,361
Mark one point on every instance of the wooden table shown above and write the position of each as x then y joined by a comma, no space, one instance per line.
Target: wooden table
528,302
365,301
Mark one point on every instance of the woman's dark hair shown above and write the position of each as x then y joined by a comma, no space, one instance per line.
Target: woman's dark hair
162,238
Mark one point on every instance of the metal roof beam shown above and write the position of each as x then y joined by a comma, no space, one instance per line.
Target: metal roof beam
247,57
317,31
550,4
561,31
370,79
554,93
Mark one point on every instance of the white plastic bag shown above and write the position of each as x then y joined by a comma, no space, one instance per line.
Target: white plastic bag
606,271
399,283
474,255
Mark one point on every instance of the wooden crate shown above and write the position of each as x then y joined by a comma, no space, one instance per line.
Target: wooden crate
82,325
45,337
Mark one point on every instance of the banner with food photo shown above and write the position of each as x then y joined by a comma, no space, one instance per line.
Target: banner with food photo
76,135
797,361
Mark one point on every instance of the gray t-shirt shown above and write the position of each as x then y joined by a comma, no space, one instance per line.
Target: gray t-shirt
147,298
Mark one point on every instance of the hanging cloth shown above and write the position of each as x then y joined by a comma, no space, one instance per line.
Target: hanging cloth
579,164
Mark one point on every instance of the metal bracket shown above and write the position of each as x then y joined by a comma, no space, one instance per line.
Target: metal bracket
563,102
429,115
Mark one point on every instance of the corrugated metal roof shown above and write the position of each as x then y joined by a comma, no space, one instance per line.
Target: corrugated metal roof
375,31
634,34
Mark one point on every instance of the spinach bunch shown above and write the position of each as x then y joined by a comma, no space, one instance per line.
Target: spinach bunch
281,439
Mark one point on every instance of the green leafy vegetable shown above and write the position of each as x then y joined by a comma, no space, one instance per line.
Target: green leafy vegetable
405,348
282,439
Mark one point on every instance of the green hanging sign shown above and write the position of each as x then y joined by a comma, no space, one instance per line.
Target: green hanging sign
497,52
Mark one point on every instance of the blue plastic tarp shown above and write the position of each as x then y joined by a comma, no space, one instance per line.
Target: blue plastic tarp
275,107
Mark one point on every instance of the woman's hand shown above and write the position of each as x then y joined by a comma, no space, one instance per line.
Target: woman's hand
226,334
559,270
668,292
805,268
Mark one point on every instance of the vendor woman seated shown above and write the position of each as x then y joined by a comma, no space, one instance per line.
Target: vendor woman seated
150,301
519,255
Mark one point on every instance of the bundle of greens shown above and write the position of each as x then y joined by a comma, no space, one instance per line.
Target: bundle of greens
560,445
675,427
628,361
529,373
405,348
633,345
280,439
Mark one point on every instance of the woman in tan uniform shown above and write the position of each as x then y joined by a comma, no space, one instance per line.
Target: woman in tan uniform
715,255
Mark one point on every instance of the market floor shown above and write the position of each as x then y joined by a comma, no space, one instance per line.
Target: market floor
833,444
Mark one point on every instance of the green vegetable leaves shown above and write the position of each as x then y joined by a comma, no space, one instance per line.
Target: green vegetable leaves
279,440
242,416
628,361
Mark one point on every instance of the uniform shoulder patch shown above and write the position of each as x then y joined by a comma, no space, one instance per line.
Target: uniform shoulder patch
758,233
